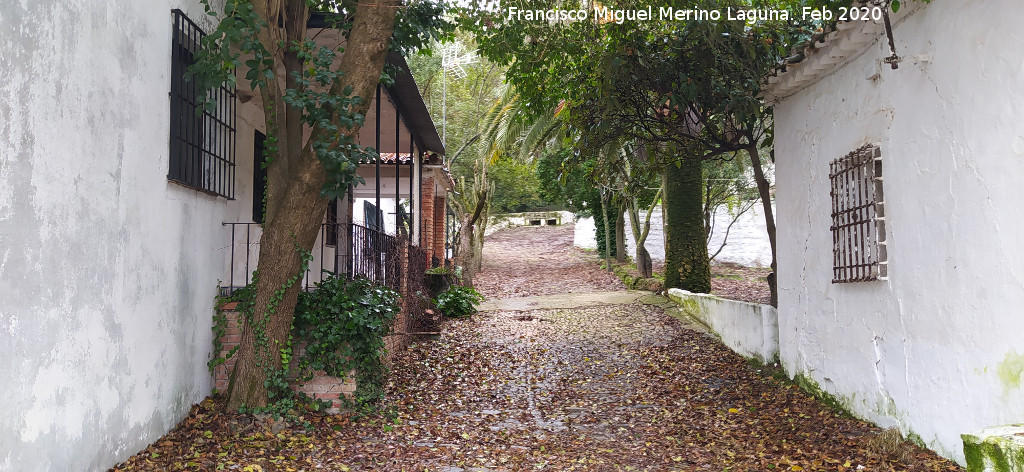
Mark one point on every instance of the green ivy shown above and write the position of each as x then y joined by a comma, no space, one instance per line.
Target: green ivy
344,323
245,296
458,301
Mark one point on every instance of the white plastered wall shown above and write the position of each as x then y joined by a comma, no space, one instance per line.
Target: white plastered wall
938,349
107,270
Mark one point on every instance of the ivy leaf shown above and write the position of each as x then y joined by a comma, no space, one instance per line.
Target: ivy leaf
895,6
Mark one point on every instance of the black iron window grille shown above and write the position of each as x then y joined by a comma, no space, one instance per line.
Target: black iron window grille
202,138
858,217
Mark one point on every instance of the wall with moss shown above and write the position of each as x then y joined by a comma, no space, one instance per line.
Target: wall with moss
747,328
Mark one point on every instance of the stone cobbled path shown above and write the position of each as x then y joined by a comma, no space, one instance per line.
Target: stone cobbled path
598,380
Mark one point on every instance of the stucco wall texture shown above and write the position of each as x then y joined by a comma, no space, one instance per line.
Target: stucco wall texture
107,270
935,350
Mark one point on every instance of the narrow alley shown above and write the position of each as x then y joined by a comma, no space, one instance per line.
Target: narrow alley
563,369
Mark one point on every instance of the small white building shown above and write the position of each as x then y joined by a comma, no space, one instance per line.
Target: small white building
900,231
122,215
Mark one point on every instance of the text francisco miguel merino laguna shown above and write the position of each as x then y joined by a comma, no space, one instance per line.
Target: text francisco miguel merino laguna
605,14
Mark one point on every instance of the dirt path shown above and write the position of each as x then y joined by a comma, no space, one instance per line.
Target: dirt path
539,260
597,381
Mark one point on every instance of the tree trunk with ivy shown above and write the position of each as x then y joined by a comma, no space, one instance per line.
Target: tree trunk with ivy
295,206
608,241
686,249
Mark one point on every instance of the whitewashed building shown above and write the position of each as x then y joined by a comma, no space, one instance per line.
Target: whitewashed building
901,262
114,200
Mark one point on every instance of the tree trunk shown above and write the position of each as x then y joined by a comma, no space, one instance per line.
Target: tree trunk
481,228
466,254
643,258
644,264
605,201
468,251
295,208
764,190
686,248
620,235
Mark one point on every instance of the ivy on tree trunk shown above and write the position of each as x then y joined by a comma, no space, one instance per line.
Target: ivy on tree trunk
295,205
686,249
620,234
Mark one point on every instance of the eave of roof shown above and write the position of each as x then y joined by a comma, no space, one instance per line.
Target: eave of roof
404,93
828,51
407,99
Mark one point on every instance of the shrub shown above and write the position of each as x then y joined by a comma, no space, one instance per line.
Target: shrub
343,324
458,301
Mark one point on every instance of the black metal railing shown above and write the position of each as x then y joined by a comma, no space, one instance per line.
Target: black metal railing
418,304
202,136
372,254
353,251
349,249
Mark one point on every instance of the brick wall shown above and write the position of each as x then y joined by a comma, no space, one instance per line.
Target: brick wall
321,386
439,233
232,336
427,216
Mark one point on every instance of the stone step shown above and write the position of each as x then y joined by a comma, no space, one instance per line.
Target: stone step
996,449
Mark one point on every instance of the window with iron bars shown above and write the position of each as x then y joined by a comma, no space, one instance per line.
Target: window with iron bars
858,217
202,137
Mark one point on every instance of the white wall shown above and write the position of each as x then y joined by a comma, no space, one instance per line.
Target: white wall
107,270
750,329
937,349
747,244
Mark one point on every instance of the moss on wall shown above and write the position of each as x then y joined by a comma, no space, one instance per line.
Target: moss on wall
837,404
629,275
1011,370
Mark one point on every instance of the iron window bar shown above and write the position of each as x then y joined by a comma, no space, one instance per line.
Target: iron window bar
858,217
202,147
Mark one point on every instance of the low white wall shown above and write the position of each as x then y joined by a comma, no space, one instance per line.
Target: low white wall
506,220
750,329
747,244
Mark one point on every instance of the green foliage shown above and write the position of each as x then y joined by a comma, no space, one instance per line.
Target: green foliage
312,88
516,186
458,301
343,324
439,270
569,185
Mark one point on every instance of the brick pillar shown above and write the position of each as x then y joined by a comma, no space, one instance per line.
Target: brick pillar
427,217
231,338
438,224
397,342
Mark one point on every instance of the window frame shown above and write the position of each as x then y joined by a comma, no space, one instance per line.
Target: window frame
202,138
859,252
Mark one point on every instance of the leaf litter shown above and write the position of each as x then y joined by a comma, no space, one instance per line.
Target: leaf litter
613,387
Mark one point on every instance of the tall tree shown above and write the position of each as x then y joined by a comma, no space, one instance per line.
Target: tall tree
315,97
